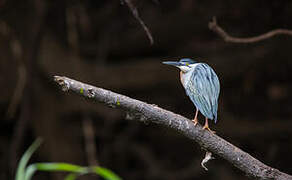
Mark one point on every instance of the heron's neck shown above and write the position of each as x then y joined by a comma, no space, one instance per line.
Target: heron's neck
185,78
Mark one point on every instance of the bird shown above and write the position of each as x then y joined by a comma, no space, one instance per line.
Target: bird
202,86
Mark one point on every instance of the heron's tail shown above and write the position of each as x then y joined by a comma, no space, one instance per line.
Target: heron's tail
215,108
215,118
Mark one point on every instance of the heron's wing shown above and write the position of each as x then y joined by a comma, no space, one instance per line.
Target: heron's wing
203,89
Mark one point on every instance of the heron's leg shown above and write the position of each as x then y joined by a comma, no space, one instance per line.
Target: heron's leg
206,126
195,120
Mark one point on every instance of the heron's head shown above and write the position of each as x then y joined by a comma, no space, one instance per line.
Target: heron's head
184,64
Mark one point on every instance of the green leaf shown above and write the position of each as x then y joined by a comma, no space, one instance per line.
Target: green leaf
29,172
20,172
74,169
24,173
71,176
105,173
61,167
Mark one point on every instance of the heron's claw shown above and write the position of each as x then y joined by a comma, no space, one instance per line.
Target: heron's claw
195,121
207,128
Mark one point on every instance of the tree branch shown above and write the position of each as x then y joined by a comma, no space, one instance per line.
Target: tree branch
136,15
152,113
223,34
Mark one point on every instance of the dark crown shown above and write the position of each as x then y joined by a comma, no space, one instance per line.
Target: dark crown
187,60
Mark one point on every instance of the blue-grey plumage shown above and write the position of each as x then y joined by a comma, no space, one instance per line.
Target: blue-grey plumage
202,86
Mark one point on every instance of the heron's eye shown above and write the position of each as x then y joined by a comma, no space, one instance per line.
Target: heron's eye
188,65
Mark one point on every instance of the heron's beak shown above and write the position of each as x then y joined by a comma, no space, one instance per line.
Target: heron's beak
172,63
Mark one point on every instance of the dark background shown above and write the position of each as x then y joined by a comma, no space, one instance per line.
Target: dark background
101,43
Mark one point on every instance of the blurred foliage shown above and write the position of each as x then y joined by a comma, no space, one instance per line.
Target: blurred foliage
26,173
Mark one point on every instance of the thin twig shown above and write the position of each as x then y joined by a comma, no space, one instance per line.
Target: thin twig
223,34
72,29
89,138
136,15
152,113
18,92
16,50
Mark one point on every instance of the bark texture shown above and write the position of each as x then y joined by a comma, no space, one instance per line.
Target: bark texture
138,110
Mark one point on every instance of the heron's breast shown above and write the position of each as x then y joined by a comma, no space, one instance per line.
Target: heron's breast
185,78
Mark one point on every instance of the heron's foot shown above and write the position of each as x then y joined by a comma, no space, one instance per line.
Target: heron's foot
207,128
195,121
